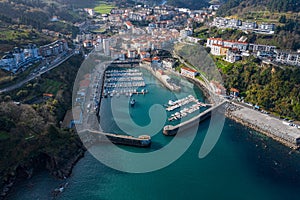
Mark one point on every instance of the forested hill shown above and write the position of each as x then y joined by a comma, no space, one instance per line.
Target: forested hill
234,6
192,4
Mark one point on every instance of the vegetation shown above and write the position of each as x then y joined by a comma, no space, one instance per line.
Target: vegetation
192,4
30,135
287,36
28,139
104,8
273,88
242,6
20,35
22,21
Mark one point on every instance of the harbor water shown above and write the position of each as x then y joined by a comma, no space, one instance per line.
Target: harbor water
243,164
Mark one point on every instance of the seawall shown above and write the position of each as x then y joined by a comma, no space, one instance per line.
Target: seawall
265,124
159,77
98,136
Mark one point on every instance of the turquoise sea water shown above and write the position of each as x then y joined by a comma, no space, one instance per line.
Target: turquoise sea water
243,165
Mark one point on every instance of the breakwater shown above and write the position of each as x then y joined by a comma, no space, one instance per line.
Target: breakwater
171,130
265,124
99,136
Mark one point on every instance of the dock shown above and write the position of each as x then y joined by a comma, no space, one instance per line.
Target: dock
170,130
123,82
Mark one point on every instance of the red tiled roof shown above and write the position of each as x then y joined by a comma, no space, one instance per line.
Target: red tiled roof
48,95
156,58
234,90
128,23
188,69
147,59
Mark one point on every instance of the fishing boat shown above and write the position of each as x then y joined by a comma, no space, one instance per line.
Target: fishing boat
132,102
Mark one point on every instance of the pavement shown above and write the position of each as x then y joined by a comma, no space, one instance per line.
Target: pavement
268,123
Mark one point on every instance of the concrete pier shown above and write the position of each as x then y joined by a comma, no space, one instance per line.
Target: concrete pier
171,130
141,141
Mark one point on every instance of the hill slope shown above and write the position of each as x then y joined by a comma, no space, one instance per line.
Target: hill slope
240,6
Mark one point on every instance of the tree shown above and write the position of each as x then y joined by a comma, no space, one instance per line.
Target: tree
282,19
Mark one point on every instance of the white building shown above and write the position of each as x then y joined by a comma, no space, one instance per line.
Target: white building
218,50
19,55
168,63
106,46
260,47
31,51
291,58
193,39
186,32
98,47
131,53
54,48
188,72
8,62
233,56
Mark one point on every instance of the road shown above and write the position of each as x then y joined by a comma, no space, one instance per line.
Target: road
192,67
32,76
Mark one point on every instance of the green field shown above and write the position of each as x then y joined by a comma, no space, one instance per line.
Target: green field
103,8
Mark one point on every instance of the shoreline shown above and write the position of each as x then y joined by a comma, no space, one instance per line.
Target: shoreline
277,134
234,112
162,81
230,113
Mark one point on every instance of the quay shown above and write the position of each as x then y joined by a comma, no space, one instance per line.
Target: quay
162,78
141,141
170,130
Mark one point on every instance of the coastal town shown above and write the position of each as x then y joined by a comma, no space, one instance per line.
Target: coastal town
116,51
123,41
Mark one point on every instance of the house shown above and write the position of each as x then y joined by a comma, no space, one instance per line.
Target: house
8,62
106,46
219,50
131,53
19,55
168,63
156,62
144,54
260,47
266,54
87,44
147,60
191,73
129,25
193,39
31,51
54,48
234,92
249,25
285,57
186,32
233,55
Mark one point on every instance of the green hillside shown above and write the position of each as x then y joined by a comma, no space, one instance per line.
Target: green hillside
243,6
